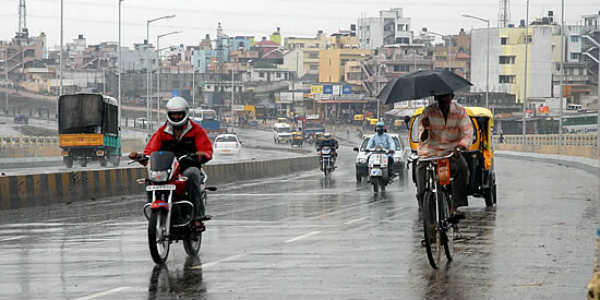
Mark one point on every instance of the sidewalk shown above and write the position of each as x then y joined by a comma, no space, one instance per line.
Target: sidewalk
587,164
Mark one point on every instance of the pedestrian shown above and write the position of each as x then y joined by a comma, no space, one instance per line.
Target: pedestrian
501,139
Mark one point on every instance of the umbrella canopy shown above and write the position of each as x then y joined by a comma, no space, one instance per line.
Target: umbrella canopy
422,84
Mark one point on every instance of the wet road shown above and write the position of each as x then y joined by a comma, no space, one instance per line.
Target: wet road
306,238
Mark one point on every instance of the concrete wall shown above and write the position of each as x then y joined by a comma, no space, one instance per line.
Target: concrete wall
46,147
44,189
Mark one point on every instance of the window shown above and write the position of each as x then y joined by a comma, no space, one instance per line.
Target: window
504,41
507,60
574,39
314,67
506,79
575,55
313,55
529,39
401,68
261,74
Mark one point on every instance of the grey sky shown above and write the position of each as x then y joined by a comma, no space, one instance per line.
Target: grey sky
97,19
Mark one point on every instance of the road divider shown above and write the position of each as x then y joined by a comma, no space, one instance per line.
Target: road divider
81,185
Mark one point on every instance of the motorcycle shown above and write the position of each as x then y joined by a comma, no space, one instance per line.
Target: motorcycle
169,209
379,175
327,164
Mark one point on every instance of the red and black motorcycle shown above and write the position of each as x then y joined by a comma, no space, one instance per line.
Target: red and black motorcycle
169,208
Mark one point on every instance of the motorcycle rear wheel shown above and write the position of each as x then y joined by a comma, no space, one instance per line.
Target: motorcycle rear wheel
157,243
191,246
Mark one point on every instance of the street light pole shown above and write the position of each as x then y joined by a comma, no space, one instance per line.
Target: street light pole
158,74
120,64
148,66
487,67
562,74
597,43
525,73
60,57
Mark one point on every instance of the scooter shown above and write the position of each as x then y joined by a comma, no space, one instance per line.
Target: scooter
379,175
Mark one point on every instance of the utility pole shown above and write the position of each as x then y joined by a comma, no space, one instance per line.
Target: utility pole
525,73
562,73
6,77
60,68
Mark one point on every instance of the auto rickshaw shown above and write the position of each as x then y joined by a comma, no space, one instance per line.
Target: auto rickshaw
480,157
297,139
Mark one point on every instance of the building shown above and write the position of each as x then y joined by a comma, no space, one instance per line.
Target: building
320,41
22,52
140,58
332,62
391,27
454,56
507,60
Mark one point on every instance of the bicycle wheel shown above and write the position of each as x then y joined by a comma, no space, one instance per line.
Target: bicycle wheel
447,231
432,236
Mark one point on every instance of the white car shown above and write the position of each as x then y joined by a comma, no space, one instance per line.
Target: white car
282,133
400,153
227,144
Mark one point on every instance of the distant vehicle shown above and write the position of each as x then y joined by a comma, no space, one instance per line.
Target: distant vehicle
227,144
21,118
140,123
88,129
400,156
311,127
207,118
282,133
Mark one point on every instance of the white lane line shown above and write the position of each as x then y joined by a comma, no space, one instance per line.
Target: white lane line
302,237
102,294
13,238
216,262
356,220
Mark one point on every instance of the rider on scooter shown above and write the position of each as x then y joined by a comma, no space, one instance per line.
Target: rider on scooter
386,142
183,136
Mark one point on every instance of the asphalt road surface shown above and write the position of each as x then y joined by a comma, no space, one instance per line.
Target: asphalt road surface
304,237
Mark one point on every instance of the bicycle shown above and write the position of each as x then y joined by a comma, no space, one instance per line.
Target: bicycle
436,203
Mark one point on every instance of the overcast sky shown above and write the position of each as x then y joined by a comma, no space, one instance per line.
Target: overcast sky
97,19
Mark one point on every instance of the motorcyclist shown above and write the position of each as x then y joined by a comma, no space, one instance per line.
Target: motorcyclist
444,128
386,142
183,136
328,140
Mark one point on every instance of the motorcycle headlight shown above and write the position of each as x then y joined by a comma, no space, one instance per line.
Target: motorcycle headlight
159,176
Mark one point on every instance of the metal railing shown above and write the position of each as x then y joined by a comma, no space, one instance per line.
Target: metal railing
28,140
549,139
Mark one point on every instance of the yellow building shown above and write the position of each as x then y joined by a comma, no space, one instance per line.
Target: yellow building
353,73
317,42
344,41
332,62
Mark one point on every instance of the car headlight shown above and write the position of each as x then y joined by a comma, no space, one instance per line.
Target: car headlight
362,160
159,175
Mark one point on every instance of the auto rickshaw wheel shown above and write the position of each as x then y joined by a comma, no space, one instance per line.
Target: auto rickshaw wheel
490,194
83,162
103,161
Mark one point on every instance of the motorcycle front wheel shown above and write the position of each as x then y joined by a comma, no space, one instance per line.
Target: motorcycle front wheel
192,243
157,241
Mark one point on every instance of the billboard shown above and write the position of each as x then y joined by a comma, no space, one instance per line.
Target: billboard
327,89
336,90
347,89
316,89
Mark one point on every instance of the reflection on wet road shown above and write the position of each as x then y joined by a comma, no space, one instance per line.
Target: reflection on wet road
304,237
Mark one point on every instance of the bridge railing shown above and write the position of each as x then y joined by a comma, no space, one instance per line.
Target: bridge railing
8,141
584,145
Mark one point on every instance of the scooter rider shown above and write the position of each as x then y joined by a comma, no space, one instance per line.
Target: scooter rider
386,142
183,136
328,140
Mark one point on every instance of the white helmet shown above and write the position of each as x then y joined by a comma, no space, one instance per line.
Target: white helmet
177,105
326,135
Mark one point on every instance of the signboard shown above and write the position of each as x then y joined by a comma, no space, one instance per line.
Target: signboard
336,90
175,93
237,107
347,89
327,89
316,89
288,97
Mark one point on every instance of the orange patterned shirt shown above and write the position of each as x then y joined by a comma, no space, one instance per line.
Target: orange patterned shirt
445,135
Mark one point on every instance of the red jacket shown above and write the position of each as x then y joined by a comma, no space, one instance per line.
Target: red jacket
193,139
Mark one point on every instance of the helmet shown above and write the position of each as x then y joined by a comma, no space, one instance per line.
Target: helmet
380,127
326,135
177,105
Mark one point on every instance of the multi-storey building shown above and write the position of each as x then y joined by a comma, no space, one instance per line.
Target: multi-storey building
391,27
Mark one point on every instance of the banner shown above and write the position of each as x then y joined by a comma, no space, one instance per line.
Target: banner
316,89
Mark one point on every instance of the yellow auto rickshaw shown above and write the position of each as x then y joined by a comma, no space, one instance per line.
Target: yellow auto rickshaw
297,139
480,157
372,121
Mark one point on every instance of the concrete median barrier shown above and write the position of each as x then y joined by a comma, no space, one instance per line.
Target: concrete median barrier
65,187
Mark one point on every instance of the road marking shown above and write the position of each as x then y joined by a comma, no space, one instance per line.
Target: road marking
302,237
13,238
216,262
356,220
101,294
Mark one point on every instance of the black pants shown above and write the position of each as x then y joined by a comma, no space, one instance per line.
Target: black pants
194,183
459,171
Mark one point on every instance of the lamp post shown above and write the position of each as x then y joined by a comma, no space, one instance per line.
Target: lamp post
525,73
597,43
60,57
487,68
148,66
158,74
120,64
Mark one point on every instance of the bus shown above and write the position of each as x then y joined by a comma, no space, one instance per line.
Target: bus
207,118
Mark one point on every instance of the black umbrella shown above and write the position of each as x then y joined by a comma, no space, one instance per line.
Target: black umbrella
422,84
